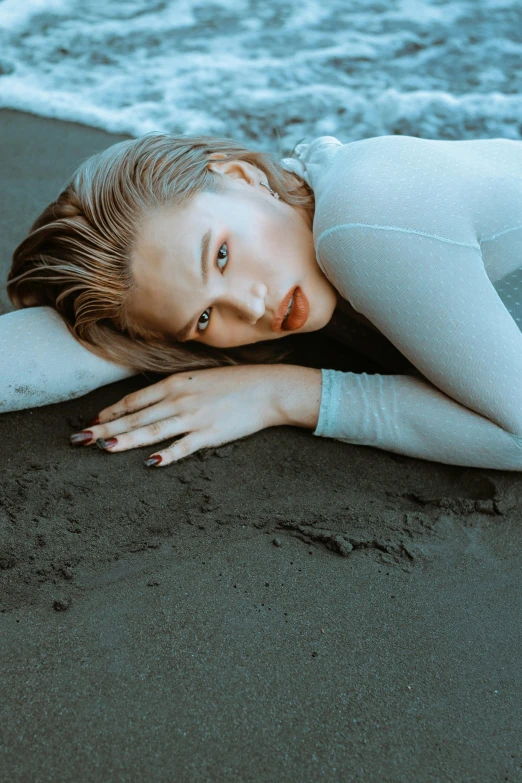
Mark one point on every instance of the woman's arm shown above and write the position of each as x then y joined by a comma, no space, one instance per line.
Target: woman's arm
41,362
410,416
398,413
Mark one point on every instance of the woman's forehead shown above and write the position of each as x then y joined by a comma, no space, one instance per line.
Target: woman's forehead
180,218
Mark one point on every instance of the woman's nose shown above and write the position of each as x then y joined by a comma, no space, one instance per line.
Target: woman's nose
256,310
251,303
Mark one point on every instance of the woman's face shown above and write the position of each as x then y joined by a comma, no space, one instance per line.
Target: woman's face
259,249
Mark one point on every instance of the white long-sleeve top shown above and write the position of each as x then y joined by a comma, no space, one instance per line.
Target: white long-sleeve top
42,363
424,239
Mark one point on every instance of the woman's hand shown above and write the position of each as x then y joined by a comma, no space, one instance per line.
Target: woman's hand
209,407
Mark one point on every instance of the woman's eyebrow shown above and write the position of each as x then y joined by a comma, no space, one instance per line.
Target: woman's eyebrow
206,241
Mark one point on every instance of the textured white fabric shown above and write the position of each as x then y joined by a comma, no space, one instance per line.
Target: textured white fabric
42,363
424,238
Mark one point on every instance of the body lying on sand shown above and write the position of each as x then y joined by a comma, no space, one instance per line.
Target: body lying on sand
194,257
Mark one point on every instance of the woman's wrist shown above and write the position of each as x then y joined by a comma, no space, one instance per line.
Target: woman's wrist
296,395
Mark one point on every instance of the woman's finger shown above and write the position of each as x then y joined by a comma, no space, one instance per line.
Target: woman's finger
143,417
143,398
178,450
152,433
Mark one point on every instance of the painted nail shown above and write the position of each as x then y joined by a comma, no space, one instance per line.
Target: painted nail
154,460
81,437
106,444
94,422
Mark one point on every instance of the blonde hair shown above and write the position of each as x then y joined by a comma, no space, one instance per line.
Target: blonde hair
76,257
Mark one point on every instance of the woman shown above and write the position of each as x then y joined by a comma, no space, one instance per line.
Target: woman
183,255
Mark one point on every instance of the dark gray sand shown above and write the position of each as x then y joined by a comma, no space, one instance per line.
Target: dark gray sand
283,608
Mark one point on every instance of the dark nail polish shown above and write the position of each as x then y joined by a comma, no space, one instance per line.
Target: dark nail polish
106,444
81,437
94,422
154,460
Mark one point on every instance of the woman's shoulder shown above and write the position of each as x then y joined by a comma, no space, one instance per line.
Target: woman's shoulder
399,183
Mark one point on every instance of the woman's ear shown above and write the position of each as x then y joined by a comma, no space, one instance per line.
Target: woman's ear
236,169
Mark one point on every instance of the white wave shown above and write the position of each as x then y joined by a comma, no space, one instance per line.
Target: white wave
14,14
268,72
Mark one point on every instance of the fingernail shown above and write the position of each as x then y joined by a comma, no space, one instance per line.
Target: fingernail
106,444
154,460
81,437
94,422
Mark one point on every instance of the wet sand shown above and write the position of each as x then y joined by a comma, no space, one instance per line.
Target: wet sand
283,608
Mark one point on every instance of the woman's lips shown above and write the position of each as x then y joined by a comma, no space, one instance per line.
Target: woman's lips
298,314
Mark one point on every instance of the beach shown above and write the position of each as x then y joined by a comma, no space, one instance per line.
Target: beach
281,608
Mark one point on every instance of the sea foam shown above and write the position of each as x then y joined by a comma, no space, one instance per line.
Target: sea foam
268,72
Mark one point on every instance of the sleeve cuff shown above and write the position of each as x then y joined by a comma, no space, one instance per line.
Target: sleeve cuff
329,404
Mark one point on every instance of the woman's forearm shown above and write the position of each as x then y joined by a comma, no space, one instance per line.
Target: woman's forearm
41,363
411,416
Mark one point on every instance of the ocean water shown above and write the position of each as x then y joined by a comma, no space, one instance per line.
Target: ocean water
266,71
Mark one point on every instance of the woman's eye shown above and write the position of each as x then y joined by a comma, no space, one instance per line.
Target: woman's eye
209,309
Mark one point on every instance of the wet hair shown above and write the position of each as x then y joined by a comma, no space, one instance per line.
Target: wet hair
76,257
